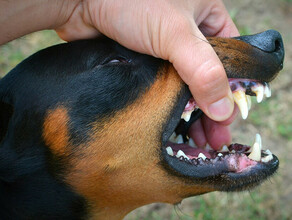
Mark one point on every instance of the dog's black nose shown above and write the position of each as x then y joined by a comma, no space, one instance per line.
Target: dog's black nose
269,41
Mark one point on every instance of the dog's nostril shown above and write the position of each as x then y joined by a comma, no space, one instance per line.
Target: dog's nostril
278,45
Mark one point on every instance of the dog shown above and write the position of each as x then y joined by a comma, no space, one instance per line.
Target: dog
87,130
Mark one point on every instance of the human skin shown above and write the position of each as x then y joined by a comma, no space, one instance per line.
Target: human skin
168,29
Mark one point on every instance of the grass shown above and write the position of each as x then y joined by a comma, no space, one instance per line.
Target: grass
14,52
222,206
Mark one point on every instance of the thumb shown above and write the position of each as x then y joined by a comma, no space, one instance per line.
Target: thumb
199,66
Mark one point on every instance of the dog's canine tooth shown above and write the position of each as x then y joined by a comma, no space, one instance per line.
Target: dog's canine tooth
224,149
256,149
181,153
248,99
192,143
259,91
268,91
258,140
201,155
172,137
267,158
186,115
179,139
241,101
169,151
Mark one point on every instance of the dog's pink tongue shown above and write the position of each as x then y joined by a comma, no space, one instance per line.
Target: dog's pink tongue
216,134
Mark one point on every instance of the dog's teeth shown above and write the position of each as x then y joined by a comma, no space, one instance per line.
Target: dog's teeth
208,148
248,99
241,101
268,152
256,149
172,137
259,91
169,151
220,155
179,139
258,140
181,153
186,115
267,158
192,143
201,155
224,149
268,91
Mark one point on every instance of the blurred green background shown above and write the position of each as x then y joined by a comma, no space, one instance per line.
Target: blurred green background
272,119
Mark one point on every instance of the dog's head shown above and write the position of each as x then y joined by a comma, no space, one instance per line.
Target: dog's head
88,126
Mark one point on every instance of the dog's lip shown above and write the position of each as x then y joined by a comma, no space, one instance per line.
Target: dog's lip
228,172
223,175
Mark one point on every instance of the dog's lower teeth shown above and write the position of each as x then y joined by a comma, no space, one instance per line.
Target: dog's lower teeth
256,149
169,151
180,153
201,155
267,158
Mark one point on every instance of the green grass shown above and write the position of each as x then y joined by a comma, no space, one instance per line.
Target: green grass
222,206
14,52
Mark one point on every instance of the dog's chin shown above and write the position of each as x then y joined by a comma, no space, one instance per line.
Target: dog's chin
232,168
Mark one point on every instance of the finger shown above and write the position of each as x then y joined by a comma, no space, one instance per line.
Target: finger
217,22
199,66
217,135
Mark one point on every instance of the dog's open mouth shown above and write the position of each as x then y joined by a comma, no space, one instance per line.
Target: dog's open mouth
238,166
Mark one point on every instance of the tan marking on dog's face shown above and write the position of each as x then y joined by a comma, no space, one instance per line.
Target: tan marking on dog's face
55,131
119,169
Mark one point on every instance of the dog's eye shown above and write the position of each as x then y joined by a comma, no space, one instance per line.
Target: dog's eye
117,60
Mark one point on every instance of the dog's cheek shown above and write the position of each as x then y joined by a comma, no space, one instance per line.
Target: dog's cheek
55,131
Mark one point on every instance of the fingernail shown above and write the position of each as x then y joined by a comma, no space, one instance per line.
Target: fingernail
221,109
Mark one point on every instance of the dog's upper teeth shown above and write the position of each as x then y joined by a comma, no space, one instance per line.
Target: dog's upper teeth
201,155
172,137
208,148
248,99
179,139
224,149
186,115
242,103
192,143
169,151
181,153
268,91
256,149
259,91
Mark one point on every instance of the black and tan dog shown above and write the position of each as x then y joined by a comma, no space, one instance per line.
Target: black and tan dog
85,130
